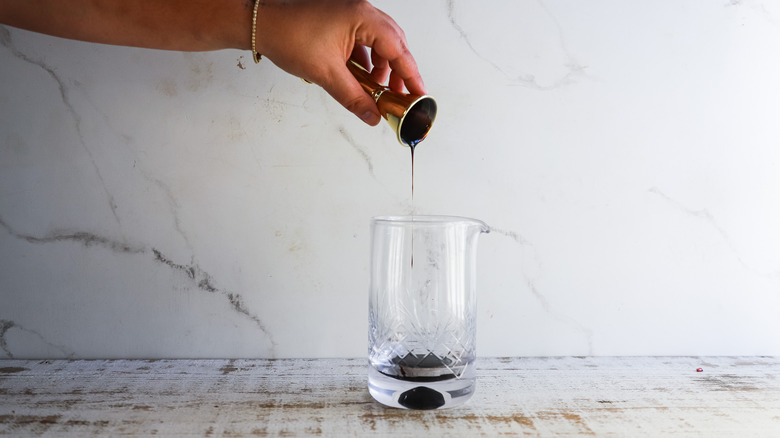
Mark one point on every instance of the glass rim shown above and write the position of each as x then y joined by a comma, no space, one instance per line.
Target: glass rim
419,220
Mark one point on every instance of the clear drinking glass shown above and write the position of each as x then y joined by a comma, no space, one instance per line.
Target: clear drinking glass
422,310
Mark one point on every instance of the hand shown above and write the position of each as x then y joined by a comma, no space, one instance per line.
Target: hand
314,39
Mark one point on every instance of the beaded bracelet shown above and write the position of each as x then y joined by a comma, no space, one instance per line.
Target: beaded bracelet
256,56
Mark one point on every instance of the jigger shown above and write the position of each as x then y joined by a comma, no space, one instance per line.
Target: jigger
410,115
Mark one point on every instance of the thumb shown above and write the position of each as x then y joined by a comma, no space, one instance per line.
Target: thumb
346,90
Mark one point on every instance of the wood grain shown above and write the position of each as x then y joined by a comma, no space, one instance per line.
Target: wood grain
564,396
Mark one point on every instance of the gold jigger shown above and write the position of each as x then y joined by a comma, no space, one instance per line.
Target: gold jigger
411,116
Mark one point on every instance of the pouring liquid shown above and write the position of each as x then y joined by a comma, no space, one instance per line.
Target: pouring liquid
414,129
412,148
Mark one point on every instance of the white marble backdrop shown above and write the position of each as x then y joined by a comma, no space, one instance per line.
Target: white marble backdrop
626,154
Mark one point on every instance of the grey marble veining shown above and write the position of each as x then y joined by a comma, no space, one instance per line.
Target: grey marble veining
707,217
570,68
196,275
64,91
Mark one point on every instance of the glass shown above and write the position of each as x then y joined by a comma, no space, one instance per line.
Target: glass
422,310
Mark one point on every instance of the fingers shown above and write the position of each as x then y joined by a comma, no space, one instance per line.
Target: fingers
343,87
360,55
314,40
381,69
396,83
348,92
389,50
404,72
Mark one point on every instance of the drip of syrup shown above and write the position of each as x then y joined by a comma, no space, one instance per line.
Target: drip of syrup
413,131
412,146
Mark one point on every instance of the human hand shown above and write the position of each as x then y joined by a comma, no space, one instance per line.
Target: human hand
314,39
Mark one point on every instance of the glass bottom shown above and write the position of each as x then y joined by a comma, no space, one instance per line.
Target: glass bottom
416,394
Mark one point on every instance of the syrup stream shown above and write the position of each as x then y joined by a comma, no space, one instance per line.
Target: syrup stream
412,148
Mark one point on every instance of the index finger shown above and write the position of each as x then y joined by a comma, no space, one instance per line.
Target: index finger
388,41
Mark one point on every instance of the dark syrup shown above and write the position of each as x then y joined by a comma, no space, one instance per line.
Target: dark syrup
417,122
414,368
422,398
414,128
412,146
420,369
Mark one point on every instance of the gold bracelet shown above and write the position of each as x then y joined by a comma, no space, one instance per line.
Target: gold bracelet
256,56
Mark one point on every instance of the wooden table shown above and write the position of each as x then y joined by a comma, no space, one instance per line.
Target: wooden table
556,396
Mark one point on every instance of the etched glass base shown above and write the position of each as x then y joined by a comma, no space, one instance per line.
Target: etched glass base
424,387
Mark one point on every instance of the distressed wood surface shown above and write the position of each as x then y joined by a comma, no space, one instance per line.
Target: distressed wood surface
566,396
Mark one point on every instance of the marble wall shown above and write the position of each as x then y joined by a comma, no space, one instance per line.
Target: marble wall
625,154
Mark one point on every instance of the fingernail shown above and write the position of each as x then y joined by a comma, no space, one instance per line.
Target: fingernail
369,117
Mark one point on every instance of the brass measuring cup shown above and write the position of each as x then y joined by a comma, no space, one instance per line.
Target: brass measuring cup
411,116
